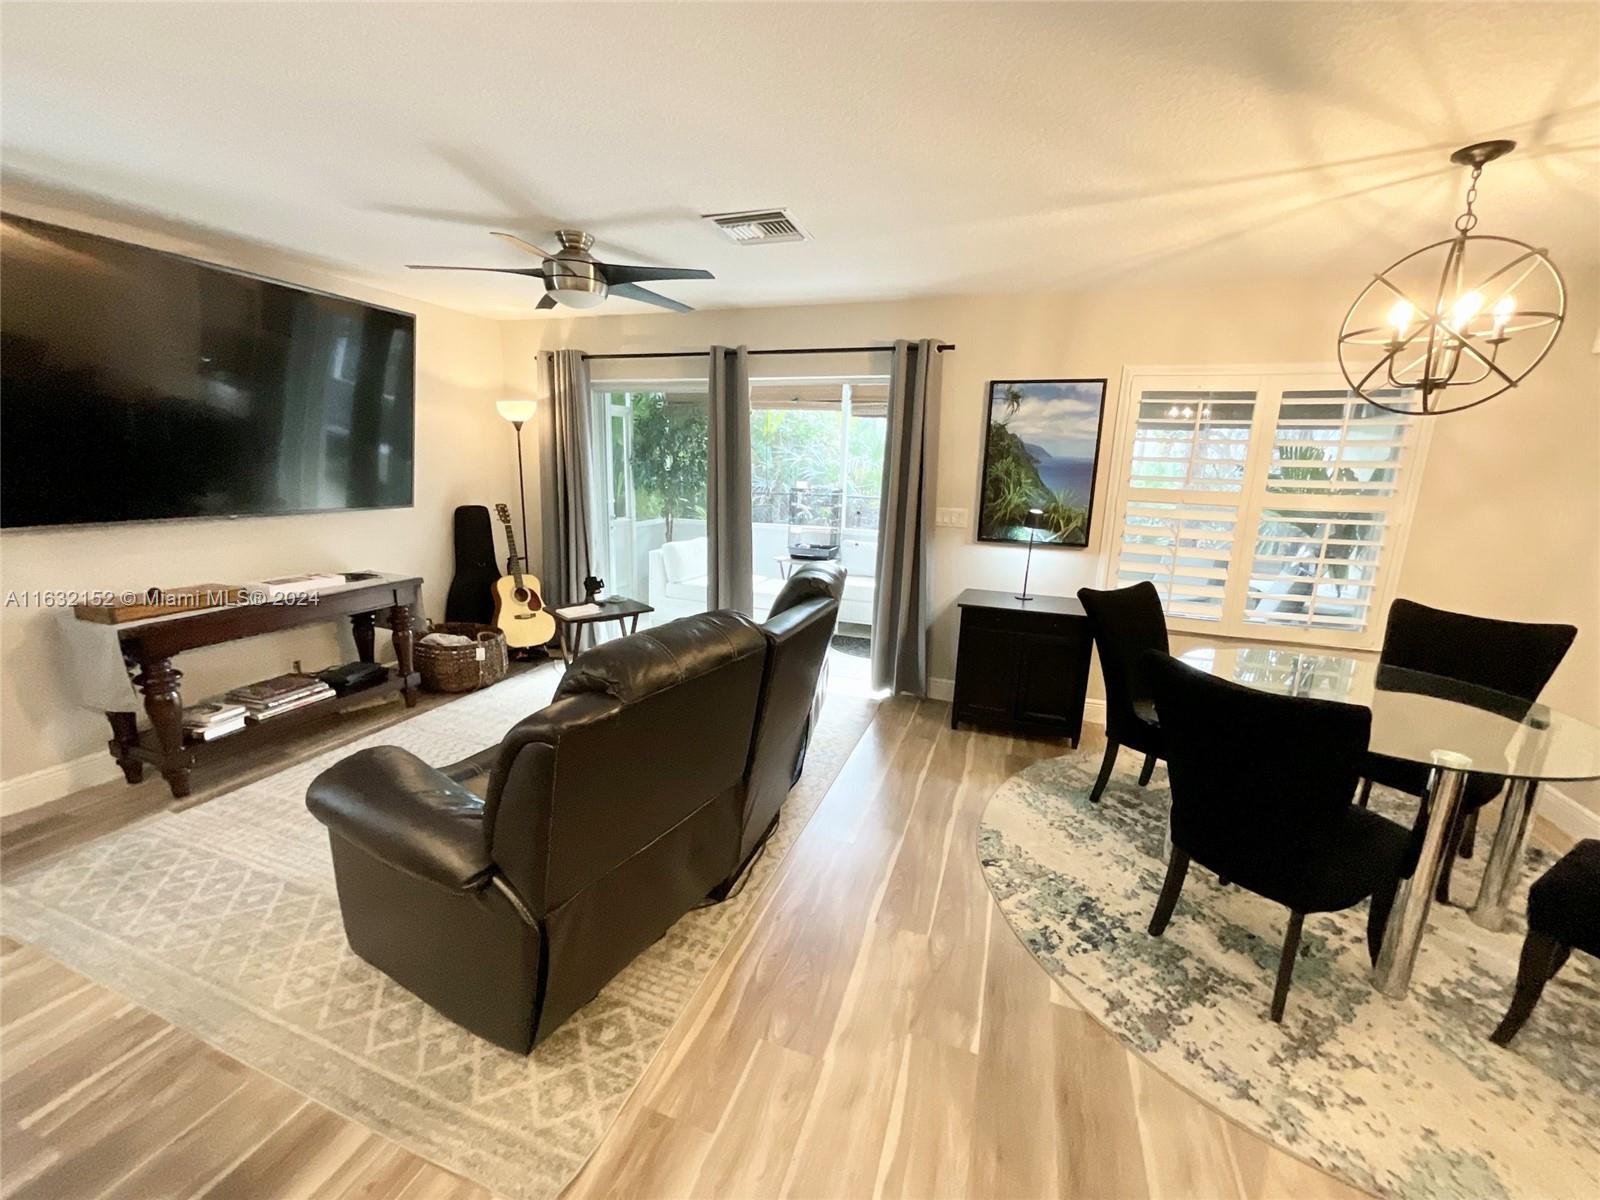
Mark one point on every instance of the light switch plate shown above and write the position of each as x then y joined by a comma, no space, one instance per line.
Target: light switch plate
955,518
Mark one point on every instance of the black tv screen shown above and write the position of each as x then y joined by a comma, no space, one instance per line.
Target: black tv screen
137,386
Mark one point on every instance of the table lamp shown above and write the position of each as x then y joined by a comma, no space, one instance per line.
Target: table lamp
1033,522
519,412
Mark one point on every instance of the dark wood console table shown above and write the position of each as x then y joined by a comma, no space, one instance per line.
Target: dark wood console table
1021,664
149,646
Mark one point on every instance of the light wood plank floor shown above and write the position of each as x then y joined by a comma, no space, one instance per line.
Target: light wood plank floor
875,1028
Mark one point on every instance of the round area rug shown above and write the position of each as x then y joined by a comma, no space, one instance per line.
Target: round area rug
1403,1098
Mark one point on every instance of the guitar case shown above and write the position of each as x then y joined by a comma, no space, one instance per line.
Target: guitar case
471,595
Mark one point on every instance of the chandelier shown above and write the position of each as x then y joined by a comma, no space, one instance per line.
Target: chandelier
1457,322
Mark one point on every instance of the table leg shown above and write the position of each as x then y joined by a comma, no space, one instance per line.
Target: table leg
163,701
124,737
1506,855
400,627
361,626
634,628
566,644
1409,917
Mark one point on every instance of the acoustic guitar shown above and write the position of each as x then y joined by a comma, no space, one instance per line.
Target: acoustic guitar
519,612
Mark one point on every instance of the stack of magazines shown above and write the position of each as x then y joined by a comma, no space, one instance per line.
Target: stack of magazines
213,719
283,694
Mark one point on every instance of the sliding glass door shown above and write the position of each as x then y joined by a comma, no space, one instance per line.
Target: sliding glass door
652,473
816,473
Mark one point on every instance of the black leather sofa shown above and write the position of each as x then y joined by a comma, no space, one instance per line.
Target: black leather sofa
645,786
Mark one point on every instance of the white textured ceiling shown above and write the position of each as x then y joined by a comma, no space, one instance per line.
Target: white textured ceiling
927,148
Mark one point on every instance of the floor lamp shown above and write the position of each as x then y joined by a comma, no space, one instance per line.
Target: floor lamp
519,412
1033,522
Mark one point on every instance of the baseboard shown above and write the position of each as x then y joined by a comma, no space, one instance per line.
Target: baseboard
1566,814
1094,711
51,783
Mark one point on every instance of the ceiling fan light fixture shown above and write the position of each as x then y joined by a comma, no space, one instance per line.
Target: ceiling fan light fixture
573,281
578,294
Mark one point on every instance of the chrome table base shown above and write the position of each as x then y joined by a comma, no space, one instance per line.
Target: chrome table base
1409,917
1506,855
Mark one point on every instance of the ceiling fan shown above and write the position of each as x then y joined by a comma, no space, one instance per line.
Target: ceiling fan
574,277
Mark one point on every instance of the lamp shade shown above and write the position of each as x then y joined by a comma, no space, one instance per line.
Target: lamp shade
516,411
1034,519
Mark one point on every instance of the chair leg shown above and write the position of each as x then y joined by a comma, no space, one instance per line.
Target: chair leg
1378,909
1364,798
1147,770
1441,893
1541,958
1106,765
1469,835
1177,868
1291,947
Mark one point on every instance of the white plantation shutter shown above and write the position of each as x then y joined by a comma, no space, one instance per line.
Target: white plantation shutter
1186,477
1262,506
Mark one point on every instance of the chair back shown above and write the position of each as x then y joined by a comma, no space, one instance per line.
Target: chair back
1516,658
798,631
1127,623
615,809
1248,768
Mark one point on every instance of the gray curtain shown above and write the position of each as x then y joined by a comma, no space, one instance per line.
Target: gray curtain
565,498
728,517
900,609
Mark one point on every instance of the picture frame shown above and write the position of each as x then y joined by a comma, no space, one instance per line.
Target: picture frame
1041,449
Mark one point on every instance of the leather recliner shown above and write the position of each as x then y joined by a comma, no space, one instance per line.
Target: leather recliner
798,630
608,814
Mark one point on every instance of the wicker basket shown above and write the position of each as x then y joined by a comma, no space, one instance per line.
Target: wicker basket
463,668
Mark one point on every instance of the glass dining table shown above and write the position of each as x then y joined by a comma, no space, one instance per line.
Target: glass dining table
1457,730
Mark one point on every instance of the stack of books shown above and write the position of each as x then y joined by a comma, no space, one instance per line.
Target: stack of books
283,694
213,719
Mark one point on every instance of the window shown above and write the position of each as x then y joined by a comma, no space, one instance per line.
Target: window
1270,505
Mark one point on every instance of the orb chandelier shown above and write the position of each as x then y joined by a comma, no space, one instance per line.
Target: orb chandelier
1455,323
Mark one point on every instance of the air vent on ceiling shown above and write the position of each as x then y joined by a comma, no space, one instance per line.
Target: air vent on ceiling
758,228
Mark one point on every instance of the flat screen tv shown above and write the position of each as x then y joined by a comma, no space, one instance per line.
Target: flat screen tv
141,386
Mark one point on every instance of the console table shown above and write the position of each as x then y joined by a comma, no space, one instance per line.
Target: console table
148,646
1021,664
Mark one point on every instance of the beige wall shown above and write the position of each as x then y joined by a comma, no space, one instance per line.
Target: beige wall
1507,523
464,455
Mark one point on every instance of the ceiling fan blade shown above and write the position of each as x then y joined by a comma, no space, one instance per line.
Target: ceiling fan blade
546,301
501,270
520,243
632,291
619,274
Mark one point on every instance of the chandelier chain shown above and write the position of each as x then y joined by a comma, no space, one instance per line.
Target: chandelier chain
1469,219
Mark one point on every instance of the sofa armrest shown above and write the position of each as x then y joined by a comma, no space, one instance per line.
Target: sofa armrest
391,804
467,769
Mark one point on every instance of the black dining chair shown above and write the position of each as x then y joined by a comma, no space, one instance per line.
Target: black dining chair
1127,623
1514,658
1563,916
1261,788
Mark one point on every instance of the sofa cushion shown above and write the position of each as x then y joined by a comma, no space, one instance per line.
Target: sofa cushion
685,560
631,668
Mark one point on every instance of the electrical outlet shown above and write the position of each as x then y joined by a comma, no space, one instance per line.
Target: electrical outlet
955,518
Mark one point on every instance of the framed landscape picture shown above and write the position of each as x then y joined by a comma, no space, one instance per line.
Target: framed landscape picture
1040,451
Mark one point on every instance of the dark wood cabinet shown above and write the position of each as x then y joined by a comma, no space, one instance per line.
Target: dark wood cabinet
1021,664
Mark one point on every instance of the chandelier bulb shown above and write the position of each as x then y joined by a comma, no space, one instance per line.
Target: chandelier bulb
1465,308
1502,311
1400,317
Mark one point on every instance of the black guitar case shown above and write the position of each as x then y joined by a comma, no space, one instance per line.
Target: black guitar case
471,595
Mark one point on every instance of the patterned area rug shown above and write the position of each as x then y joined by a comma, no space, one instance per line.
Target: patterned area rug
1402,1098
224,920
